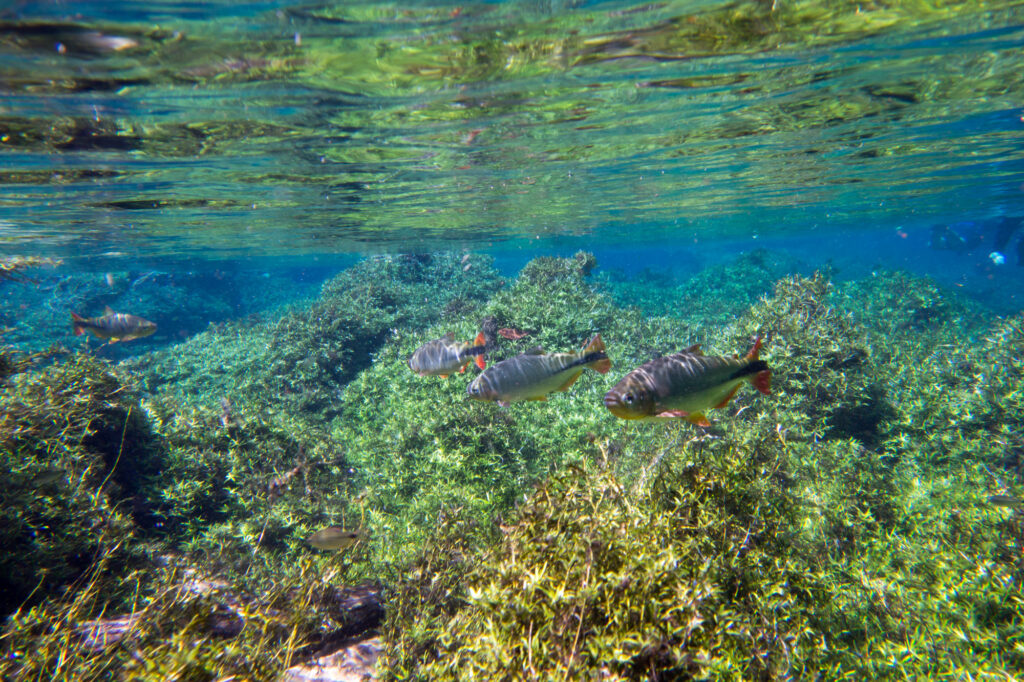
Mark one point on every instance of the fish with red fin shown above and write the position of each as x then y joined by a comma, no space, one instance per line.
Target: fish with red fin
534,374
444,356
686,384
113,326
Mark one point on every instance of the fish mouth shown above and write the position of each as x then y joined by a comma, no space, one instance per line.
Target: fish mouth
615,406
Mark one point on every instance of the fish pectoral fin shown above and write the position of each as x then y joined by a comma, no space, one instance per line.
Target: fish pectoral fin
728,397
443,376
699,419
570,381
539,397
672,414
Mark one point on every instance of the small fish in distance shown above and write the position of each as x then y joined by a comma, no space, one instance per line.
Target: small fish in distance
685,384
334,539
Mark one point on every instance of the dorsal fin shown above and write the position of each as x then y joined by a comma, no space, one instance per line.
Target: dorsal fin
107,310
536,350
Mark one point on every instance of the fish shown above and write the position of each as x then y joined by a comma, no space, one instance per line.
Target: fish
444,356
113,326
334,539
686,384
1003,500
534,374
512,334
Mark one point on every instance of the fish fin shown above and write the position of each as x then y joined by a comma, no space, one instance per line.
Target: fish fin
540,397
107,310
480,342
443,376
450,336
596,345
76,324
672,414
503,403
728,397
763,381
570,381
462,370
698,418
113,339
694,350
536,350
752,355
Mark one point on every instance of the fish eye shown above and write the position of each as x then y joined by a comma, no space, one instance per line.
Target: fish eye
629,398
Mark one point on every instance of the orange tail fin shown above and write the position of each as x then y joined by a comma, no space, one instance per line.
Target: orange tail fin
596,345
480,342
76,324
763,381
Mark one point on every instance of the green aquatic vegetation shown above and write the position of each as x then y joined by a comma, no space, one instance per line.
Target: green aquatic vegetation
181,623
686,577
75,443
712,297
836,527
790,539
237,481
298,359
824,373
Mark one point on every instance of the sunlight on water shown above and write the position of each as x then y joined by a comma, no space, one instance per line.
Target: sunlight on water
354,127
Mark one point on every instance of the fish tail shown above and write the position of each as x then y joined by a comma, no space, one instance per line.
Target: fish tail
481,343
602,364
762,381
78,324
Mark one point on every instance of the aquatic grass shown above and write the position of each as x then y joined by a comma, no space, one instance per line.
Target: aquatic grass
75,442
182,624
841,526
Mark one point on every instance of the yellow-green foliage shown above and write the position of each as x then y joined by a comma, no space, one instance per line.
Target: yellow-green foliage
73,440
179,624
799,536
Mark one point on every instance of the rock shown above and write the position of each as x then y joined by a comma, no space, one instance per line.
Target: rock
354,663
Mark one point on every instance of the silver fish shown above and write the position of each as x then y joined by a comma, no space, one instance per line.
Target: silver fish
532,375
444,356
113,326
686,384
